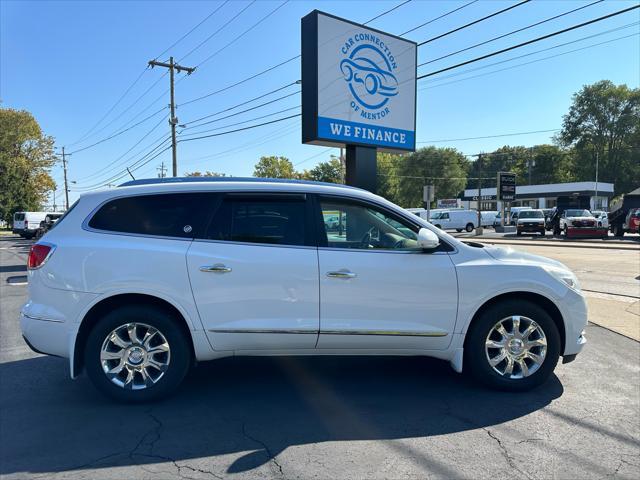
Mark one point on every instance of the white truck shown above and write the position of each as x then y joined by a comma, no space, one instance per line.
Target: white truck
457,220
26,224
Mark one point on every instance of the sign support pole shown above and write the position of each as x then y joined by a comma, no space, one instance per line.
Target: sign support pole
361,167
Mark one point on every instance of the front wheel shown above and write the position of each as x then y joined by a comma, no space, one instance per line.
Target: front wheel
513,345
137,354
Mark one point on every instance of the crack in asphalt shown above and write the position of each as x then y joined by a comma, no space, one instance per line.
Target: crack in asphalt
505,452
266,448
157,428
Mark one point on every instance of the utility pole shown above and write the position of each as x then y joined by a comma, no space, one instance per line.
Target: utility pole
173,121
595,201
163,170
479,227
66,185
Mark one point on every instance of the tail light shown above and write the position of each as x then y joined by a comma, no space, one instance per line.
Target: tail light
39,254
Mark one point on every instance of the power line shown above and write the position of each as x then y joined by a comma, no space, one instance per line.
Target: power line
269,69
528,63
386,12
242,129
111,109
238,37
490,136
438,18
233,107
106,167
242,111
222,27
535,52
240,123
494,14
190,31
529,42
510,33
118,133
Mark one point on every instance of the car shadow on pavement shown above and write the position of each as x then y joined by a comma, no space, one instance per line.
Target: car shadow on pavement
249,409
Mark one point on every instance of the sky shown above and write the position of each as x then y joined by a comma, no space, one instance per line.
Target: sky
70,62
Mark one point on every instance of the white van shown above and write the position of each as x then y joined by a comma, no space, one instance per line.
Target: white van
488,217
455,220
26,224
422,212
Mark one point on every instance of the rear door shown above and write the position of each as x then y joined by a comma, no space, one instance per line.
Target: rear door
255,274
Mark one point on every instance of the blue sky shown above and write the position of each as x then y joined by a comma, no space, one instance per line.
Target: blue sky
69,62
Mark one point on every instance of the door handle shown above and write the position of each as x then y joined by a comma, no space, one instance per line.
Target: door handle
341,274
217,268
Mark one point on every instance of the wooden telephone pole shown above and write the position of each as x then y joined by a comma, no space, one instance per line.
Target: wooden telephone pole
66,184
173,121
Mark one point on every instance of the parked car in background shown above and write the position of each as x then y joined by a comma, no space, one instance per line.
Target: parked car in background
422,212
48,223
602,217
137,283
580,222
632,222
530,221
515,212
621,219
457,220
488,217
26,224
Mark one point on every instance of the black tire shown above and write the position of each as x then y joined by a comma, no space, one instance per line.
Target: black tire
180,352
475,356
543,233
519,233
618,231
469,227
458,230
438,226
28,236
566,232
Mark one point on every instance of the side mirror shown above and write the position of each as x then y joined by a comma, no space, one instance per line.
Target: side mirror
427,239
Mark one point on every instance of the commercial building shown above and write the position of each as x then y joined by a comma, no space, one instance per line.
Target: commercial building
542,196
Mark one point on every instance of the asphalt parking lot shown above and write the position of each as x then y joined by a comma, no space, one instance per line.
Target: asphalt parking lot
337,418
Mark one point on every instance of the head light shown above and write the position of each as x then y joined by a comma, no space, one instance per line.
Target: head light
565,276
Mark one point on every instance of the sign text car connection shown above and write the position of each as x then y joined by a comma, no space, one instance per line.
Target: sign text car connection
358,85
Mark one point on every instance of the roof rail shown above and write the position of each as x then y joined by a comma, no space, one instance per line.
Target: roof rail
153,181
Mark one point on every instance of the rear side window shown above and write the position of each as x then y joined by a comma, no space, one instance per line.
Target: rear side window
270,219
182,215
18,217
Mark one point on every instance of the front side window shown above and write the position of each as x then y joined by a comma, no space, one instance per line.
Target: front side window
275,220
182,215
365,227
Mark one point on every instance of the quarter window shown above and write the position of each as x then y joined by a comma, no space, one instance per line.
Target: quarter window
182,215
276,220
358,226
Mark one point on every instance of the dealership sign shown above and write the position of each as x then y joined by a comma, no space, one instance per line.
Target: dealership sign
506,186
358,85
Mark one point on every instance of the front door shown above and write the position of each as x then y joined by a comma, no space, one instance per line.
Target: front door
377,289
255,275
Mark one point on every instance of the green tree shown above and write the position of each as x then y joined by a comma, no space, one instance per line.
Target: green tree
274,167
604,121
445,168
207,173
330,171
26,158
388,175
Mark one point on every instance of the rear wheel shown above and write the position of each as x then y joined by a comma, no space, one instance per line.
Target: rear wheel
513,345
458,230
137,354
469,227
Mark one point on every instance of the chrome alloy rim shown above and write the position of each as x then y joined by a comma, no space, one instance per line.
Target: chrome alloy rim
516,347
135,356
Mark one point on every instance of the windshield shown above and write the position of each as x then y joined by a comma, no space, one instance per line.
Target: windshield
436,215
531,214
578,213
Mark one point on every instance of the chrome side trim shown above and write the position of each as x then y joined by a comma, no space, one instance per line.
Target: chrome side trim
384,333
262,330
332,332
43,319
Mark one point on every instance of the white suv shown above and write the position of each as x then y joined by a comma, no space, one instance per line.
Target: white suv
137,283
